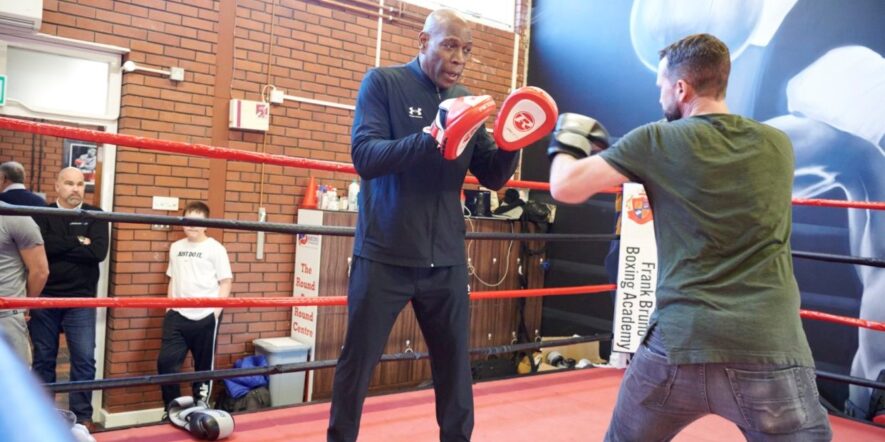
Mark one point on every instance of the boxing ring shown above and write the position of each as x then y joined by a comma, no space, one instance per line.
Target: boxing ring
565,405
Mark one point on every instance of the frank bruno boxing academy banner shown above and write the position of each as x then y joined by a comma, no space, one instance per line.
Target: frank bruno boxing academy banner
637,273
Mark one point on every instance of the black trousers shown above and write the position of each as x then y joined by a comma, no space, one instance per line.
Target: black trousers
181,335
376,295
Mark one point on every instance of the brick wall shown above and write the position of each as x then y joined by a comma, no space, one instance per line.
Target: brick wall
44,153
309,49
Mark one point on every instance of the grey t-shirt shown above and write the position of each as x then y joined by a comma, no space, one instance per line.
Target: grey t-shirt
16,233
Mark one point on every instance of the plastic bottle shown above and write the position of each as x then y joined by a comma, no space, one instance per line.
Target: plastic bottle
321,196
333,199
327,194
352,191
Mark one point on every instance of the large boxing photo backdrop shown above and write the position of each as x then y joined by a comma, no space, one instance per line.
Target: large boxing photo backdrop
812,68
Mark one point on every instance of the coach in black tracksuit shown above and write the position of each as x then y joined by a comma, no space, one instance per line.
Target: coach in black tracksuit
409,243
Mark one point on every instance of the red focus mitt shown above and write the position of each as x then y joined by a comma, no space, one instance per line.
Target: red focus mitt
456,122
526,116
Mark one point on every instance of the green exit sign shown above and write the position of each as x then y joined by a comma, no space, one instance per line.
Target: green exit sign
2,90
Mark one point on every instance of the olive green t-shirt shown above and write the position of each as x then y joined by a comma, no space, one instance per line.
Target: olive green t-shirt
720,187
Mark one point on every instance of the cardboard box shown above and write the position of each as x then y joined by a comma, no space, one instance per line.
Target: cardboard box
584,350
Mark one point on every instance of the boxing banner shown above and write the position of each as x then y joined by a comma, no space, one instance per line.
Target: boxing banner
307,283
637,271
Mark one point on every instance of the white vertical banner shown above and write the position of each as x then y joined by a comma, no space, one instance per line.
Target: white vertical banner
637,270
308,249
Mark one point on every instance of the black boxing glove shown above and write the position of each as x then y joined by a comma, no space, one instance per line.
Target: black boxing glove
577,135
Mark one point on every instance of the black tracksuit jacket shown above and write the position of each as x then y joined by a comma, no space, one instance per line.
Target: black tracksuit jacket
410,196
73,267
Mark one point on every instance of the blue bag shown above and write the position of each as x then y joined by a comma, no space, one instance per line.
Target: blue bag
238,387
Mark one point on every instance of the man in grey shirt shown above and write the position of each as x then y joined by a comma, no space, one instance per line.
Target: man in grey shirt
23,270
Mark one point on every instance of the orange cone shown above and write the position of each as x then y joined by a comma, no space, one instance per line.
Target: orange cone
310,195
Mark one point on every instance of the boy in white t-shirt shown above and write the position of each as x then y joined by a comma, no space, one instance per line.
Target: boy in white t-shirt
198,268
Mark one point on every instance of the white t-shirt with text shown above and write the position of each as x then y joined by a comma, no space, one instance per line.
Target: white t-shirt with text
195,269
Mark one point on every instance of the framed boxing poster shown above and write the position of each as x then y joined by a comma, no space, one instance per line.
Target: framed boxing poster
84,156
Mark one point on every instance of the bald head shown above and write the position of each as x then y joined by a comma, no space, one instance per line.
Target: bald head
70,186
441,18
70,172
445,44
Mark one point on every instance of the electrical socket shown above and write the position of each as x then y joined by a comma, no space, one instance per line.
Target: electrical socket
165,203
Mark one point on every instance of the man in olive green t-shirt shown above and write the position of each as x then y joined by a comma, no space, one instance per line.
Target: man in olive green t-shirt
726,337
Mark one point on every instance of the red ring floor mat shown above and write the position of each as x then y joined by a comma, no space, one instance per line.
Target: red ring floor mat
570,406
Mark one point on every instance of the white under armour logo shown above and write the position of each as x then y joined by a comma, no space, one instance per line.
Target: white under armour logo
415,112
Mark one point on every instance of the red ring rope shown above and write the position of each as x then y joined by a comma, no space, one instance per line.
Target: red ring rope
146,302
322,301
179,147
839,203
534,293
207,151
844,320
325,301
226,153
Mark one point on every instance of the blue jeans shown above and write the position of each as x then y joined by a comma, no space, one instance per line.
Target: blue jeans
78,325
767,402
